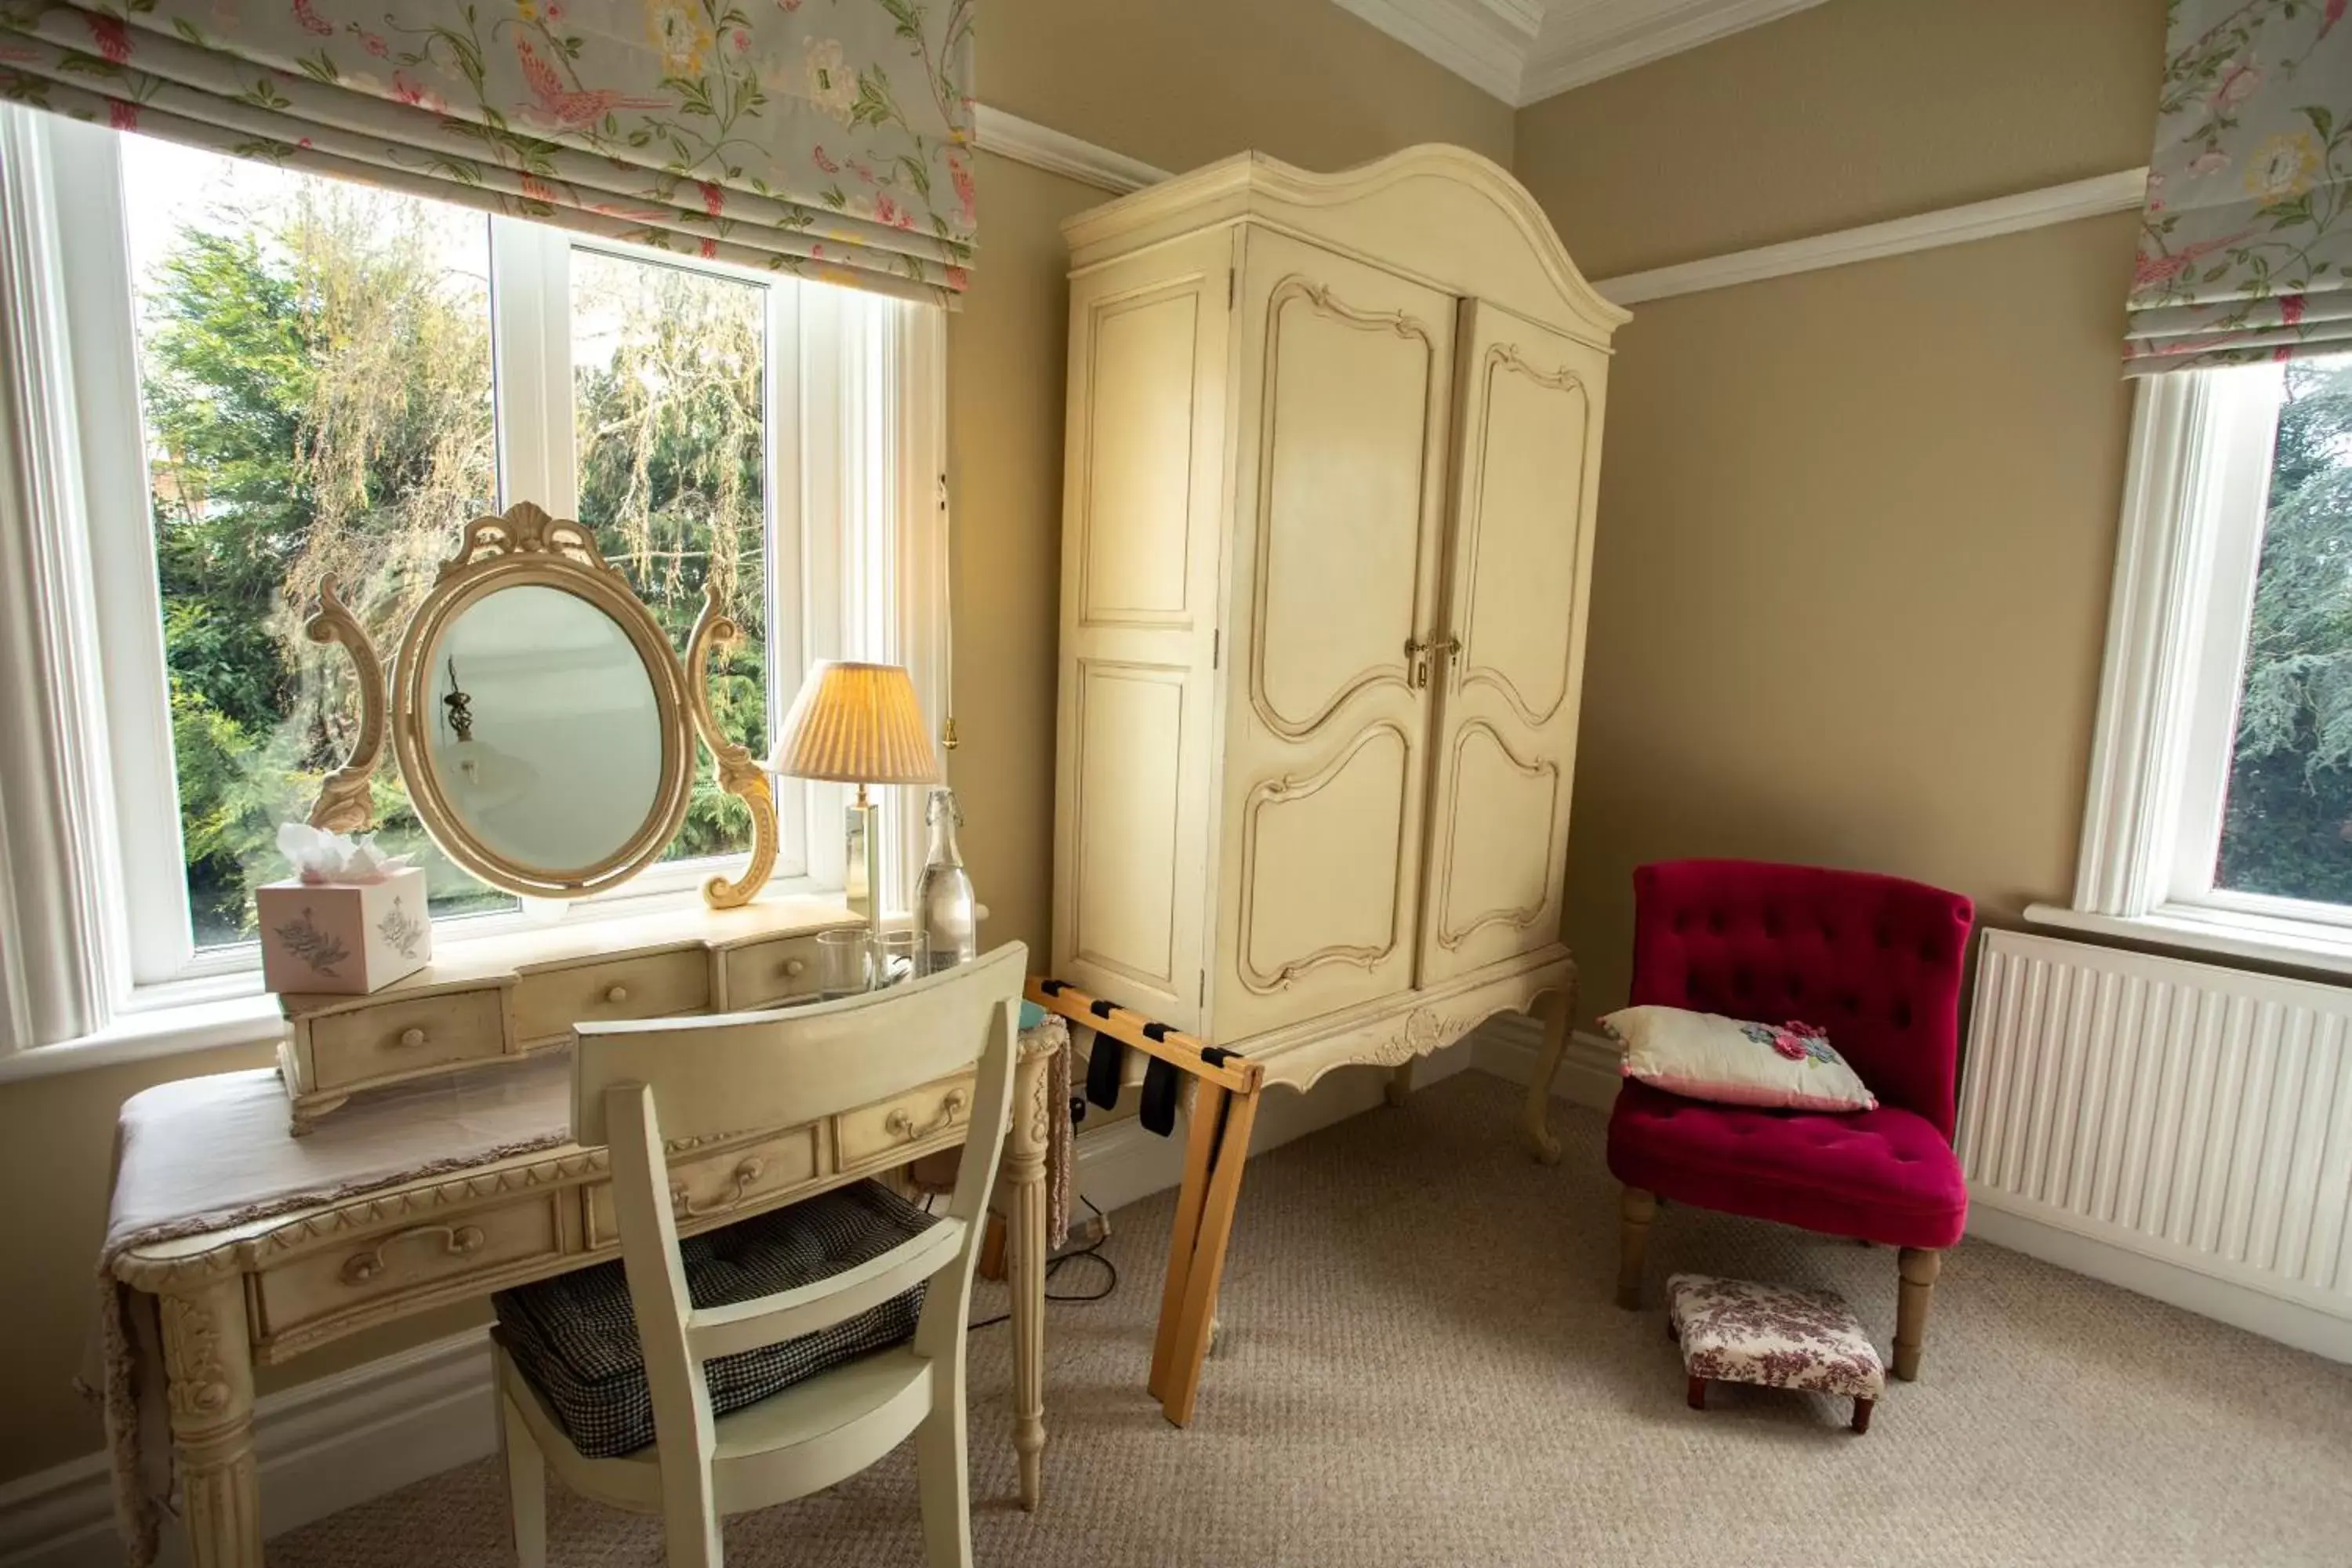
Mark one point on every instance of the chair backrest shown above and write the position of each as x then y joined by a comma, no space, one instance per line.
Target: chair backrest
1876,960
637,1087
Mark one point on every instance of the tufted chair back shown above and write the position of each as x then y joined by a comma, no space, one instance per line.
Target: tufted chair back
1874,960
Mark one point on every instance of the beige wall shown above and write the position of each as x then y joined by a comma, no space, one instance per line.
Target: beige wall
1856,526
1845,113
1177,85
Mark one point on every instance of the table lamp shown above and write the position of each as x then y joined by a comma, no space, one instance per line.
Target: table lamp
857,723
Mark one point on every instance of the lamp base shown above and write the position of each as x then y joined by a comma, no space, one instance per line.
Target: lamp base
862,859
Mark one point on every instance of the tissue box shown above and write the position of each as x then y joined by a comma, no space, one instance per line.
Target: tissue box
344,937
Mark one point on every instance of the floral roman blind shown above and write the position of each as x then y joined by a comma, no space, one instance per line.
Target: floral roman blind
2246,249
827,138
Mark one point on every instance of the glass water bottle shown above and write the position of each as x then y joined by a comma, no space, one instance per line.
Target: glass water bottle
943,899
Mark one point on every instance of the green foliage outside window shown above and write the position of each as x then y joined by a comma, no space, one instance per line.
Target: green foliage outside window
2287,827
318,394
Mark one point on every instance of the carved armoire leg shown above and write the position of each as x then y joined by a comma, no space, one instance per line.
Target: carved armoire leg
208,1365
1918,1267
1400,1084
1553,1009
1025,1181
1636,1209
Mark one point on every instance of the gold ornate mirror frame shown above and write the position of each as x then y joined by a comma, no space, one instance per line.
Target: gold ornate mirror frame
525,546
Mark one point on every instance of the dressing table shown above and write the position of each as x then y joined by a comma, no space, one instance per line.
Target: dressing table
415,1147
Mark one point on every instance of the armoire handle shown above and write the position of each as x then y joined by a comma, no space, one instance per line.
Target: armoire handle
1450,647
1417,664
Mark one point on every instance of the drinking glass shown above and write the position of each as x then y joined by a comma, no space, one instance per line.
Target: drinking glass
845,963
903,955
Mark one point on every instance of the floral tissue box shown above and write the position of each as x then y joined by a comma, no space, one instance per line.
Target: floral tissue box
344,937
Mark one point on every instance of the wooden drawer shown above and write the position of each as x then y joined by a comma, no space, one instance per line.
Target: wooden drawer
704,1187
548,1002
917,1117
395,1039
370,1275
760,973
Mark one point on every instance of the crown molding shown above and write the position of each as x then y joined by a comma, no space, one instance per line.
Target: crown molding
1585,42
1056,153
1524,50
1485,42
2102,193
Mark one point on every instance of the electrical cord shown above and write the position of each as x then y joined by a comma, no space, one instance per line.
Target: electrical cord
1092,1253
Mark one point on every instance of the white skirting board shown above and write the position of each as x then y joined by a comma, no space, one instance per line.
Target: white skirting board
1588,1075
320,1447
341,1440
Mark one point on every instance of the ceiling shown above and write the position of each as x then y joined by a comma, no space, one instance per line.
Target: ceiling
1522,50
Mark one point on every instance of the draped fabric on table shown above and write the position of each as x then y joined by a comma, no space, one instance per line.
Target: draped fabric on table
2245,250
830,139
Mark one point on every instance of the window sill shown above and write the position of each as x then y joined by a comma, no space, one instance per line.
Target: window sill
224,1011
2300,944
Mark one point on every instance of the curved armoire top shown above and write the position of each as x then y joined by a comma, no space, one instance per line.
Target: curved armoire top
1457,220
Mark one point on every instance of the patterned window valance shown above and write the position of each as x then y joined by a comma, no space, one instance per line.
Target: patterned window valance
826,138
2246,249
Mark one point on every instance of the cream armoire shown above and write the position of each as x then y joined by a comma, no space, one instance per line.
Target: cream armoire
1333,447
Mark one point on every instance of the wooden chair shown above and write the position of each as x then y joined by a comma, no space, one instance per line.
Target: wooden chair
638,1084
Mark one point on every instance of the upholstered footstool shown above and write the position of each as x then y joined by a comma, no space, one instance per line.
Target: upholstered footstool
1737,1330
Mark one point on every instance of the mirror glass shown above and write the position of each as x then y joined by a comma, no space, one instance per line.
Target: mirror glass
545,736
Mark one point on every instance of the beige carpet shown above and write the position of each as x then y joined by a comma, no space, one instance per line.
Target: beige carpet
1421,1365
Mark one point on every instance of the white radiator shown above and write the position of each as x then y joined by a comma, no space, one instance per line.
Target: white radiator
2191,1115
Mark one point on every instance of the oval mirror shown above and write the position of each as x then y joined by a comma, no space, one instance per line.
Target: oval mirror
546,738
538,720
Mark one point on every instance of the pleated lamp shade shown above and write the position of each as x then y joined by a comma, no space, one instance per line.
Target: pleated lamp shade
856,723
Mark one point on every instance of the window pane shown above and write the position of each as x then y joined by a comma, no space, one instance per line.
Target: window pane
668,366
2287,828
315,361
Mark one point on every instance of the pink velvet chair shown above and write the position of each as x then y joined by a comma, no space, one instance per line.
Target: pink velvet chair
1876,960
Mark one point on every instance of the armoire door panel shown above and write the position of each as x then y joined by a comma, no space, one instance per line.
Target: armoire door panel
1523,561
1346,427
1346,377
1127,811
1143,522
1140,439
1525,460
1324,857
1501,874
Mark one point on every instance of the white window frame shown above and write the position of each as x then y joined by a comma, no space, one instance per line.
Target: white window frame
2187,557
851,488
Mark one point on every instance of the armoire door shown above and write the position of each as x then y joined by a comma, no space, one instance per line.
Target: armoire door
1525,467
1142,519
1339,501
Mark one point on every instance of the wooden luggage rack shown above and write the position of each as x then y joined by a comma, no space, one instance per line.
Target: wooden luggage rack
1225,1088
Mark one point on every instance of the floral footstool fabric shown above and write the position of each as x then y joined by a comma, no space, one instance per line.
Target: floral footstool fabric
1737,1330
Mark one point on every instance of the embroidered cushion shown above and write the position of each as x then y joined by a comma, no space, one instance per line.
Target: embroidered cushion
1707,1056
575,1340
1737,1330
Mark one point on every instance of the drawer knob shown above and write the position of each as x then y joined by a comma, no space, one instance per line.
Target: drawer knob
899,1124
412,1037
458,1241
794,968
617,995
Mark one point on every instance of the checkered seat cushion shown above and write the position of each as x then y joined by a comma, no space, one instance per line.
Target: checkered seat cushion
574,1338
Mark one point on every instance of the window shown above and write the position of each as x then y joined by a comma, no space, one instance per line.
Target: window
272,379
2220,802
315,376
2286,805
